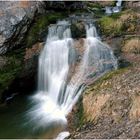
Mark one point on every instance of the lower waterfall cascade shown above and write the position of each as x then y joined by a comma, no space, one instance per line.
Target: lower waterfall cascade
58,87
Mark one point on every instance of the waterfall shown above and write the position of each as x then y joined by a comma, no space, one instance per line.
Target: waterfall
57,91
52,75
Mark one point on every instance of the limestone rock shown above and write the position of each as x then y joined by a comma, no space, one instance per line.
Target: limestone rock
15,18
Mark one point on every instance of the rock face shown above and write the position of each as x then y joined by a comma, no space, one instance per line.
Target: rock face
15,18
112,107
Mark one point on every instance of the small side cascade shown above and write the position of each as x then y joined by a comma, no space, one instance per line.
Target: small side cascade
100,57
109,10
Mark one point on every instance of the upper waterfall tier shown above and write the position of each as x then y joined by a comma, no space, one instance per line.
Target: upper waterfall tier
61,30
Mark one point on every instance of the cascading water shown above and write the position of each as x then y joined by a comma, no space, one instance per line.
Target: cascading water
109,10
53,71
57,92
100,57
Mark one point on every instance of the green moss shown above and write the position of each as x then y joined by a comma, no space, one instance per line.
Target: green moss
119,23
9,72
112,73
111,26
96,85
116,15
40,24
80,113
94,5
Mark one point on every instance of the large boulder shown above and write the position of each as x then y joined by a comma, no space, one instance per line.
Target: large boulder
15,18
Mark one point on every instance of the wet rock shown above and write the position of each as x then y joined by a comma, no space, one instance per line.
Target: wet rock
26,81
33,51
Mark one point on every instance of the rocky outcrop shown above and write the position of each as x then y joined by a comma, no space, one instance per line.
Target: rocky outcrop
15,18
127,22
111,106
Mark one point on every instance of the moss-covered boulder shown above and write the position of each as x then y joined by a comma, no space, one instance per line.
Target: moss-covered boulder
119,24
78,30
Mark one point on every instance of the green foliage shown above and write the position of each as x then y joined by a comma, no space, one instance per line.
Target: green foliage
115,15
80,113
111,26
119,23
9,72
112,73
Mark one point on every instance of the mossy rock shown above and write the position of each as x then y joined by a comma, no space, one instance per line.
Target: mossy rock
119,23
80,113
110,26
10,71
78,30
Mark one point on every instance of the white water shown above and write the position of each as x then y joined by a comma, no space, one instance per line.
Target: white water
57,93
116,9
